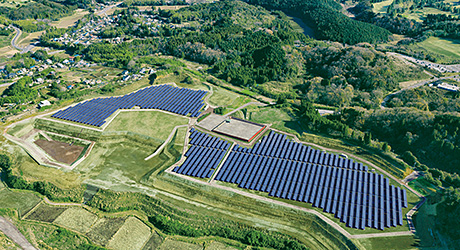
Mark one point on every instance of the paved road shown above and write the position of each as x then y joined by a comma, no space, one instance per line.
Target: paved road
14,234
15,38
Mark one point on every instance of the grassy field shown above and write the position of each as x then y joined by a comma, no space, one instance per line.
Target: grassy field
68,21
21,200
154,242
6,243
21,129
390,243
170,244
77,219
449,48
215,245
12,4
419,14
6,40
382,6
46,213
155,124
105,229
124,239
29,39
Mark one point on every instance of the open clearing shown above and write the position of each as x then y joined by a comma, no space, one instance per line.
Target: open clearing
77,219
215,245
154,124
387,243
104,229
21,200
68,21
46,213
447,47
60,151
170,244
382,6
124,239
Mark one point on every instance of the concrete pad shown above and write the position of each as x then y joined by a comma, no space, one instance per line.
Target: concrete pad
211,122
239,129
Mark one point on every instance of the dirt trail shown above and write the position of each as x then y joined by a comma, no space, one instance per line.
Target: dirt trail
14,234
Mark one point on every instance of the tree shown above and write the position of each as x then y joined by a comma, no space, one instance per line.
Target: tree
367,138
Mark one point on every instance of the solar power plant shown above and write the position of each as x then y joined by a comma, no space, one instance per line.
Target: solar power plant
340,186
181,101
204,155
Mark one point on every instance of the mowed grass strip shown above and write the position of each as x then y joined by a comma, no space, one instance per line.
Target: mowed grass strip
170,244
215,245
77,219
446,47
46,213
132,235
154,124
22,201
393,242
104,229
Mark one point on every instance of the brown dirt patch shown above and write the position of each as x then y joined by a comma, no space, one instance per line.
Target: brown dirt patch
60,151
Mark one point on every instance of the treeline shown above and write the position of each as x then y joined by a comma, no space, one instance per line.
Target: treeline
440,25
179,222
329,22
19,92
427,99
40,9
432,138
129,3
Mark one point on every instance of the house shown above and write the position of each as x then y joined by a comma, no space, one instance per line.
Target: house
44,103
448,87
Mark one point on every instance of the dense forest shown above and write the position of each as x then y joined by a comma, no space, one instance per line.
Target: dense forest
40,9
328,20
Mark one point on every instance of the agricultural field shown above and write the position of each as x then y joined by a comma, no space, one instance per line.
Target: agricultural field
46,213
123,239
104,229
23,201
68,21
154,124
170,244
77,219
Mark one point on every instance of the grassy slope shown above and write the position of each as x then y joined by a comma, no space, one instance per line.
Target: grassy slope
447,47
151,123
22,201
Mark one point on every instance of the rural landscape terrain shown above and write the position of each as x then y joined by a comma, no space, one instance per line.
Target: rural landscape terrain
232,124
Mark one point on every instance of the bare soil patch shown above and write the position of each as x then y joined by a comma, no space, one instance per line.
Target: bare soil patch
60,151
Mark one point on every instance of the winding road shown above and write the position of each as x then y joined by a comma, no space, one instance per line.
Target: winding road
15,40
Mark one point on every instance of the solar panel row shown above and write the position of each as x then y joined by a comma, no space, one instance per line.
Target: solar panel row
204,155
359,199
278,146
181,101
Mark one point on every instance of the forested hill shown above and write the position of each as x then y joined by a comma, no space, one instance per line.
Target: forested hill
329,22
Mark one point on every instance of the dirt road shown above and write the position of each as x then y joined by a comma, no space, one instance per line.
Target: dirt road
14,234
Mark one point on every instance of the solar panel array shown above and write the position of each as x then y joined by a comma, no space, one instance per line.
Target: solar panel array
204,155
181,101
294,171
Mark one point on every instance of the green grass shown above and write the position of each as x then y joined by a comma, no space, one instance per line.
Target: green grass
77,219
21,200
219,246
154,124
154,242
449,48
6,243
47,236
419,14
170,244
382,6
132,235
390,243
222,97
20,129
105,229
46,213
